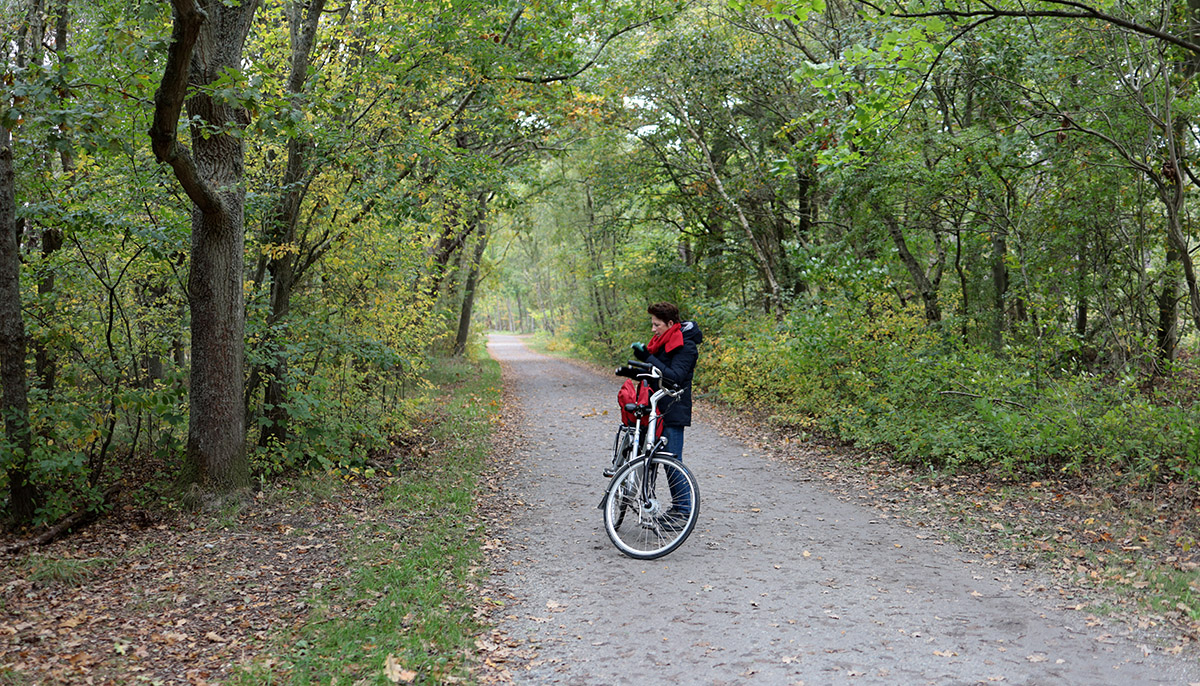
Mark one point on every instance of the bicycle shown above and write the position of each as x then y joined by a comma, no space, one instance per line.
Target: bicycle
658,523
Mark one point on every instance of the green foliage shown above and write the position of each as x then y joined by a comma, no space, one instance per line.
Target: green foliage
965,222
881,377
361,181
823,162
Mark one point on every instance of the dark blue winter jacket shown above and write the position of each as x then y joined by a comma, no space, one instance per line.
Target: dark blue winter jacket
677,367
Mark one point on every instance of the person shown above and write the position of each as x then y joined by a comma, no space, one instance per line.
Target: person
674,351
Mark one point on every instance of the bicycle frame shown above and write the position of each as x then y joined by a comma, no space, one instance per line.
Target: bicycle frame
646,448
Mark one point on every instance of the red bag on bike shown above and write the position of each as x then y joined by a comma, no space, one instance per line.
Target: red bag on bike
638,393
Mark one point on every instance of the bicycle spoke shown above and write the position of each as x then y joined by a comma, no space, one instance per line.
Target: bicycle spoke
651,522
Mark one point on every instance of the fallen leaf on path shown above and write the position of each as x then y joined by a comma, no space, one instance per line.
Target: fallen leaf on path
395,673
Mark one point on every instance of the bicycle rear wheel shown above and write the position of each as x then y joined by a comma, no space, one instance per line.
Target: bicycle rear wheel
622,454
648,523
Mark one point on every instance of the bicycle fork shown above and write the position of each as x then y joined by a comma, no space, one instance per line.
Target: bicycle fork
647,477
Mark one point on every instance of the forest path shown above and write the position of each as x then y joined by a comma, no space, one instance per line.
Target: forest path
781,582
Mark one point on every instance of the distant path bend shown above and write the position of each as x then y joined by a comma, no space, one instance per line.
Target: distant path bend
781,583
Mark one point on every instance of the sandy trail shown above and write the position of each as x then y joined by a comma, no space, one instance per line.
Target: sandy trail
781,583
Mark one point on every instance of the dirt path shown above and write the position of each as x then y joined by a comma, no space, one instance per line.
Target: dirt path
781,583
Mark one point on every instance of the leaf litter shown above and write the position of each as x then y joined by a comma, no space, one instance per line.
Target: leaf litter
183,600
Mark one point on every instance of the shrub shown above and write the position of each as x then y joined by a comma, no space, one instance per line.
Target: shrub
880,376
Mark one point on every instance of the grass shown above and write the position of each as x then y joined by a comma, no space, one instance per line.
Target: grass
404,602
1169,590
69,571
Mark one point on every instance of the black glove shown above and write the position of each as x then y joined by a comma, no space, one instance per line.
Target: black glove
639,351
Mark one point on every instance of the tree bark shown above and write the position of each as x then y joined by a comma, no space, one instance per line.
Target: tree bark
24,496
205,43
1167,332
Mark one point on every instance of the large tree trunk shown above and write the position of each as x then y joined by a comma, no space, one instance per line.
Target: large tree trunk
216,428
23,495
205,43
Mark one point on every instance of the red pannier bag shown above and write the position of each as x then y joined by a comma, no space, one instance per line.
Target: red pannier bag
639,393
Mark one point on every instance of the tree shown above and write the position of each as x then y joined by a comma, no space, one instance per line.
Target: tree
23,494
205,54
1154,86
286,260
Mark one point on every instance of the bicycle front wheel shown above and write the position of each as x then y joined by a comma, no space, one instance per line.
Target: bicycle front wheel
652,507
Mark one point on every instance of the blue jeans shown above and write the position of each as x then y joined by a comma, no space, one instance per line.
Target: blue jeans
681,494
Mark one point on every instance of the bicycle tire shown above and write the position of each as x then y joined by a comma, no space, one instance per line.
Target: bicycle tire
648,534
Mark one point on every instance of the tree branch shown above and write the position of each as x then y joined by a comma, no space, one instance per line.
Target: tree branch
74,519
984,397
599,51
512,24
168,105
1081,11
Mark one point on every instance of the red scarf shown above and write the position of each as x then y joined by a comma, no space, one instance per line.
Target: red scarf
666,341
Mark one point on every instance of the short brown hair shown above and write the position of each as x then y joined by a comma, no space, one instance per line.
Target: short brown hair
666,312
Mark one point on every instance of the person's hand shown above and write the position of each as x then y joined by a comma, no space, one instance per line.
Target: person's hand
639,351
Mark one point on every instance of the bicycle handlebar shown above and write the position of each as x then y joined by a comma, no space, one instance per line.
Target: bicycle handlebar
635,369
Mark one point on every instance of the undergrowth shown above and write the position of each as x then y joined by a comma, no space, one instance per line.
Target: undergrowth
402,611
879,376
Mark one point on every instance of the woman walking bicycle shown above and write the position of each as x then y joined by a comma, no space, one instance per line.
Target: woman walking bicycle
674,351
649,443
